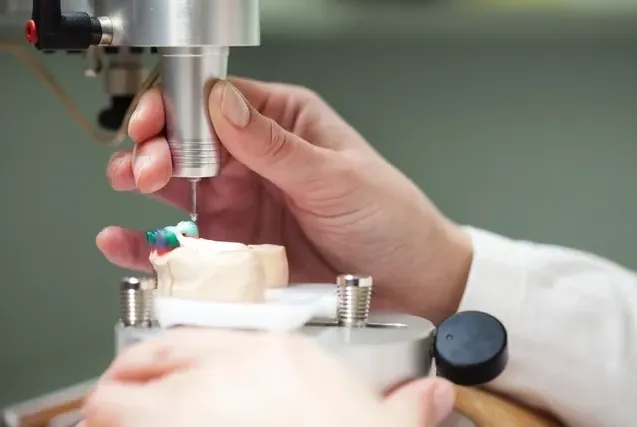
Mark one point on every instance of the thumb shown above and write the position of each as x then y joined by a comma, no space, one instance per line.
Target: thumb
423,403
258,142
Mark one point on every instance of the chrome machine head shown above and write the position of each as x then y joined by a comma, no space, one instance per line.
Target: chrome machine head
192,37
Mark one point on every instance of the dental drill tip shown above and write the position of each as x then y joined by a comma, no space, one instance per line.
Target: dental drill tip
193,211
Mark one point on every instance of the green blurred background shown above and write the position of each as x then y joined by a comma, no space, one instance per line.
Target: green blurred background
532,136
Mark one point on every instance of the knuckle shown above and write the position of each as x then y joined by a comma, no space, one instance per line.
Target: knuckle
350,167
311,97
279,147
306,95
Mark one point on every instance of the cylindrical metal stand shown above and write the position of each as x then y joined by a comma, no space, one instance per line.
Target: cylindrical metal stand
381,356
395,349
388,349
188,75
382,348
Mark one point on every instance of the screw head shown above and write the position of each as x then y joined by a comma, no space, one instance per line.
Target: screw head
130,284
354,281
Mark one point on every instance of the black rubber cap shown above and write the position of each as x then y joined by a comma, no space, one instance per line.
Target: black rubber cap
112,117
470,348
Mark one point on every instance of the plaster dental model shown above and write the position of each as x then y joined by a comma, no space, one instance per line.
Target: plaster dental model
275,265
192,268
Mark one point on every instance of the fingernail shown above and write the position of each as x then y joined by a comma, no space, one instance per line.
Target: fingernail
114,163
141,163
444,400
117,158
136,114
234,106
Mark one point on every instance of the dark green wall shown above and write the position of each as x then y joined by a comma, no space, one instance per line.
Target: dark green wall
534,140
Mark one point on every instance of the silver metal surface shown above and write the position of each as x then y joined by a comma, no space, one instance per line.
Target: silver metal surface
188,74
193,199
386,350
124,73
108,30
193,37
382,356
354,299
181,23
136,302
126,336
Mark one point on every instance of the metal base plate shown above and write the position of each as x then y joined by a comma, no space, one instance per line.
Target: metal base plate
394,349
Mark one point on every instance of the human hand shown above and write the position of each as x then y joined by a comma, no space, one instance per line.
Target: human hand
297,175
219,378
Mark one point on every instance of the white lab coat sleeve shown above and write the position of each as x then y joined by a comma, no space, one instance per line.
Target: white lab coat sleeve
571,318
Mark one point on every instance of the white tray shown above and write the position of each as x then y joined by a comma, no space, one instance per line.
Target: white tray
285,309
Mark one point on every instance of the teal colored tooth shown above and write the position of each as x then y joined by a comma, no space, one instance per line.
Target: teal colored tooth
151,236
170,237
188,229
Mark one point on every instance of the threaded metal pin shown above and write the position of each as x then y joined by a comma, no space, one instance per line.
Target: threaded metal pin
354,299
136,302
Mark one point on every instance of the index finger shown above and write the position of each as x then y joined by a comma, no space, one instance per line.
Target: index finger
148,120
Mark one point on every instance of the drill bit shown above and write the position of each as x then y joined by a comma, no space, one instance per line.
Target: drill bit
193,192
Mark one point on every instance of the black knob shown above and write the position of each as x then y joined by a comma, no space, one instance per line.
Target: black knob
470,348
112,117
52,29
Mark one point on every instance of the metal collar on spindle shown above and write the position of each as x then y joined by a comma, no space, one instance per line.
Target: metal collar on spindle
354,299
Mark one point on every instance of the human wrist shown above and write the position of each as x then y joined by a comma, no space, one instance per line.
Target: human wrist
448,271
459,261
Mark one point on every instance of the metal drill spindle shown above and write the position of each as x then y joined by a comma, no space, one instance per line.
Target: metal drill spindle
187,74
136,302
354,299
193,200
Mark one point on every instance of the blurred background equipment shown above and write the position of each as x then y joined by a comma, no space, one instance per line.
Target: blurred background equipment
120,68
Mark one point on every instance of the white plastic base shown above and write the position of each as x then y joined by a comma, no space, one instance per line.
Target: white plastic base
285,309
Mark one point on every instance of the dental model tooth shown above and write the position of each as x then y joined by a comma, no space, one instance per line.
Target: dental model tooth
191,268
151,237
206,270
188,229
275,265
